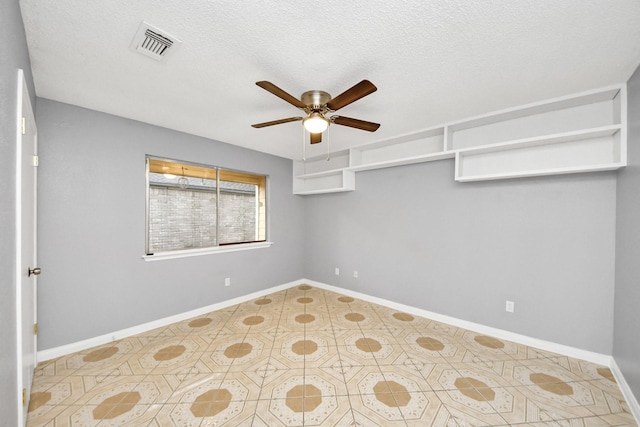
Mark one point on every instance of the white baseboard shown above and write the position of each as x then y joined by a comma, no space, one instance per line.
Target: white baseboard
600,359
63,350
634,406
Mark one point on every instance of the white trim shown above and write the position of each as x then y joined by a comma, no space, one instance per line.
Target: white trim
624,120
18,271
63,350
206,251
634,406
600,359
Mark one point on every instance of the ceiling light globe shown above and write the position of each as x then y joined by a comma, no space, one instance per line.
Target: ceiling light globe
315,123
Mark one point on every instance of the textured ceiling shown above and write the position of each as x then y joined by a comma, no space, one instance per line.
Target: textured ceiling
432,61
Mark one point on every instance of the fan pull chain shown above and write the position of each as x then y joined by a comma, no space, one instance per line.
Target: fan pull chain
328,150
304,145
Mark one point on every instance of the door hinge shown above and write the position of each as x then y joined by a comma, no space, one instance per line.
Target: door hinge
24,397
24,126
35,329
36,160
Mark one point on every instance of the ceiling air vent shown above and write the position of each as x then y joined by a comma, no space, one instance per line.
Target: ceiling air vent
153,42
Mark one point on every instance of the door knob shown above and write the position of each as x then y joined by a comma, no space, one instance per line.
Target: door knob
35,271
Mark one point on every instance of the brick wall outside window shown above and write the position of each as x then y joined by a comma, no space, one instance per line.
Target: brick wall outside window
185,218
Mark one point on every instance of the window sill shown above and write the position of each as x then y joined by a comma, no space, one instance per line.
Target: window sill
206,251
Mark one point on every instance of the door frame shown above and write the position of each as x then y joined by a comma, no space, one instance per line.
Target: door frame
23,90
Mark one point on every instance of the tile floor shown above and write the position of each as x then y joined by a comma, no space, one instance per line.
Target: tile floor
309,357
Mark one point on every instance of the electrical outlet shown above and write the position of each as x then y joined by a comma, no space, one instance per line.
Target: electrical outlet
227,281
355,273
510,306
337,271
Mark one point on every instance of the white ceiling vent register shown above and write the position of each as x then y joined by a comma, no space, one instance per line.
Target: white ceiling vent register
154,42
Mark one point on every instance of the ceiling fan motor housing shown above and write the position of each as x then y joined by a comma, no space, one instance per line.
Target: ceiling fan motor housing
315,99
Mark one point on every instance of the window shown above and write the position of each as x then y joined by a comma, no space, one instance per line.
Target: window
192,206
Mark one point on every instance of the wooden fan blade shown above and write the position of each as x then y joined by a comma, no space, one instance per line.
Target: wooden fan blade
358,91
277,122
355,123
270,87
316,138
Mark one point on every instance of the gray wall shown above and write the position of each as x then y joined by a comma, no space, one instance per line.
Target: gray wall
626,344
419,238
92,227
13,55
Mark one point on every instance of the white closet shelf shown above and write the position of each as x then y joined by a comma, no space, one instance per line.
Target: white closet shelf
321,174
543,140
405,161
533,109
320,183
570,152
323,191
585,132
542,172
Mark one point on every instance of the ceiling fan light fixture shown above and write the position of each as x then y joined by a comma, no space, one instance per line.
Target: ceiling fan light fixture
315,123
317,103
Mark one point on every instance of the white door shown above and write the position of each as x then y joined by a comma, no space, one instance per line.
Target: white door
26,162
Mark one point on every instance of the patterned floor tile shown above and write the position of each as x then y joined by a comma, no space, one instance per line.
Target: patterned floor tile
491,347
280,412
44,414
407,376
309,357
183,390
369,411
472,404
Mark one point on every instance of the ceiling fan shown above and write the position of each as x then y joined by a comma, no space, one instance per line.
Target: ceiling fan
317,104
